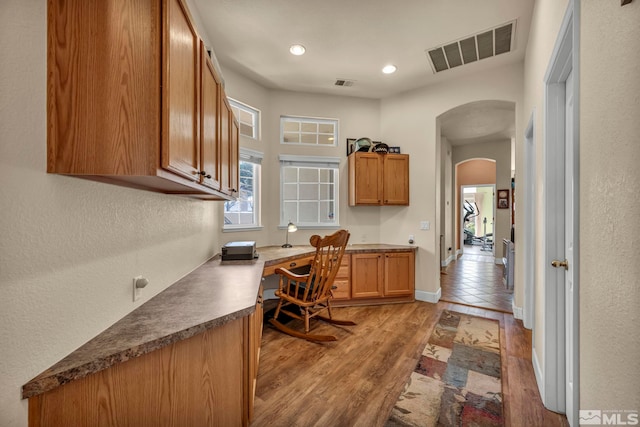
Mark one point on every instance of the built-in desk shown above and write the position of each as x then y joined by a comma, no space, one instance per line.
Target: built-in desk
189,350
375,273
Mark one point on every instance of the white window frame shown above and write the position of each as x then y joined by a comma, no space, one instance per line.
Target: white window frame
254,157
319,162
255,115
315,120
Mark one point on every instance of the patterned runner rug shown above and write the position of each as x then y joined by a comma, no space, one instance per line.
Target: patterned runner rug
457,380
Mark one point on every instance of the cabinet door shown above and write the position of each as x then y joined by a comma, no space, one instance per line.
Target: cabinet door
209,155
365,179
342,281
103,87
399,273
255,341
181,90
234,156
396,179
367,275
225,143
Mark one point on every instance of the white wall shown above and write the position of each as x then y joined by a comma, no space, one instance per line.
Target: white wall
409,120
358,117
609,205
69,248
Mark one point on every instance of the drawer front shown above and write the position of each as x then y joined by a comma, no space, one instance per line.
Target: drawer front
342,281
289,265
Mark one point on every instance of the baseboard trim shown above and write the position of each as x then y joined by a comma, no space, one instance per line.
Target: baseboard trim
517,311
432,297
448,261
538,373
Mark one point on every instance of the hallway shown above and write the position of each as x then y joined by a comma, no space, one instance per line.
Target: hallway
474,279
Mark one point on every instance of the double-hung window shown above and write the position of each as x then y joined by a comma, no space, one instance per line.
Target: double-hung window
309,191
244,213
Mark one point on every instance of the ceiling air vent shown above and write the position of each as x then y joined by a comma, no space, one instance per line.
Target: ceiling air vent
344,82
472,48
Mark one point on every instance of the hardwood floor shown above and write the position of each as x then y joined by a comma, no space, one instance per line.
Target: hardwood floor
356,380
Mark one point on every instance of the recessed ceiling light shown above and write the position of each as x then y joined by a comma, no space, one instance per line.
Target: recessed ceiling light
297,49
389,69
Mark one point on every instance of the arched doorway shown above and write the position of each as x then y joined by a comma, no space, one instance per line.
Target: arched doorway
477,139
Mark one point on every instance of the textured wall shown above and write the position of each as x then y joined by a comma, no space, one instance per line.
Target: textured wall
609,205
69,248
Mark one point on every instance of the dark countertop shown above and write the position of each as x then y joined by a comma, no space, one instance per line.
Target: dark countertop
276,254
212,295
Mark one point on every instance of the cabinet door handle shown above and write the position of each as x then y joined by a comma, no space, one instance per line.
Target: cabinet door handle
293,264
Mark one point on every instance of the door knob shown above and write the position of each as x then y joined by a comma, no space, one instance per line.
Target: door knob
558,264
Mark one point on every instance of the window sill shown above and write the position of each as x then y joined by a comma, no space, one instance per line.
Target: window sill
234,229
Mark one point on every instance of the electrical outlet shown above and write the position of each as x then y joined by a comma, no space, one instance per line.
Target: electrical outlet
424,225
411,239
136,290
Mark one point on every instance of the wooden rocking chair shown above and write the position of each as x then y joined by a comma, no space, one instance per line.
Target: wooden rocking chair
311,292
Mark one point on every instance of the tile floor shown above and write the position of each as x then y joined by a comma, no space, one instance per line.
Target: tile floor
474,279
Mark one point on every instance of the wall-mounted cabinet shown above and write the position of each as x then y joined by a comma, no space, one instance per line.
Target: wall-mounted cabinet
133,99
378,179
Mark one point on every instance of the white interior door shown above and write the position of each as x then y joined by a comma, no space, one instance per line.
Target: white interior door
571,294
558,376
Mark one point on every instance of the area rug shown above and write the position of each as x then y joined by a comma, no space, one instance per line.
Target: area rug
457,379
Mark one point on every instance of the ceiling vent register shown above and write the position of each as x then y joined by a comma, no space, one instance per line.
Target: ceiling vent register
472,48
344,82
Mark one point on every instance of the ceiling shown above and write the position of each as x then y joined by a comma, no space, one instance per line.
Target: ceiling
481,121
353,40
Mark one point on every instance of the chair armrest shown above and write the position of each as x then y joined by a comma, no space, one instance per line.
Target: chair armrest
290,275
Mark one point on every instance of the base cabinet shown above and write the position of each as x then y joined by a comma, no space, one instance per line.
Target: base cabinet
368,275
199,381
399,274
342,289
384,276
255,339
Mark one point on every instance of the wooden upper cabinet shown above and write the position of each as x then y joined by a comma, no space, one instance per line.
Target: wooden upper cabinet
378,179
103,81
209,126
225,143
131,100
181,93
234,156
395,189
365,179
